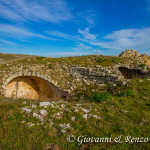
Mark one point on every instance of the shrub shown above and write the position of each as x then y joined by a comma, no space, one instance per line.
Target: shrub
126,93
40,58
113,60
100,60
123,62
50,66
142,65
103,96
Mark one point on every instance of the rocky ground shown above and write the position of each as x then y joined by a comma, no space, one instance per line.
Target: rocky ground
94,110
29,124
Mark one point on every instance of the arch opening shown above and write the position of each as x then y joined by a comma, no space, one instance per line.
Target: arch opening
31,87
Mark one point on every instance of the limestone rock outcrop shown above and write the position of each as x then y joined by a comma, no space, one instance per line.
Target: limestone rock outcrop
133,54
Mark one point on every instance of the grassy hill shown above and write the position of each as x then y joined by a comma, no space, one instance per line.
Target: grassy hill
124,110
117,110
6,58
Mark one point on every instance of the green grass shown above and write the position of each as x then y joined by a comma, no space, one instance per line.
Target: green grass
123,110
98,97
109,61
88,60
142,65
40,58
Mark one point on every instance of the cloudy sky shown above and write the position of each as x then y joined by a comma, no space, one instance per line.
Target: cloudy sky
74,27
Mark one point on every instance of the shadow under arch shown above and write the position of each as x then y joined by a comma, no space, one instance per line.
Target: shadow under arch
33,87
133,73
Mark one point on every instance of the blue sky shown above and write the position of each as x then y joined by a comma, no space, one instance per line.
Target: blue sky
74,27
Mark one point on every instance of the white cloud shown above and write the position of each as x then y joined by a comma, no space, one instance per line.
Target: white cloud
87,17
30,10
126,39
7,30
82,47
4,41
113,43
60,34
9,14
86,34
90,18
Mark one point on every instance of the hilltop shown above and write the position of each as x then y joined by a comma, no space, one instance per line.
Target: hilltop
86,60
75,73
108,96
6,58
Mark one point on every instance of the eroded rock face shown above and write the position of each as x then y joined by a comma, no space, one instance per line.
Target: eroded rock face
133,54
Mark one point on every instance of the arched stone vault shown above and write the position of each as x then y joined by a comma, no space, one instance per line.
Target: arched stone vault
31,85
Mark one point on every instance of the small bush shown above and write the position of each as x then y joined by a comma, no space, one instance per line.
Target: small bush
142,65
99,97
40,58
113,60
100,60
123,62
126,93
50,66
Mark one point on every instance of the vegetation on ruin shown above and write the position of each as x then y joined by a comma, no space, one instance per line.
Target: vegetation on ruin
104,110
88,60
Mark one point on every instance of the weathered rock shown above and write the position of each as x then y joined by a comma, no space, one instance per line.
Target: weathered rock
85,116
43,112
33,106
86,110
73,118
27,110
43,104
38,116
30,124
133,54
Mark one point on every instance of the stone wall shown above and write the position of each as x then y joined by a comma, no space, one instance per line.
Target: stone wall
30,84
117,73
38,81
96,74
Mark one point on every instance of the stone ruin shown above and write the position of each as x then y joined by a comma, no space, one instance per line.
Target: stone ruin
35,81
133,54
